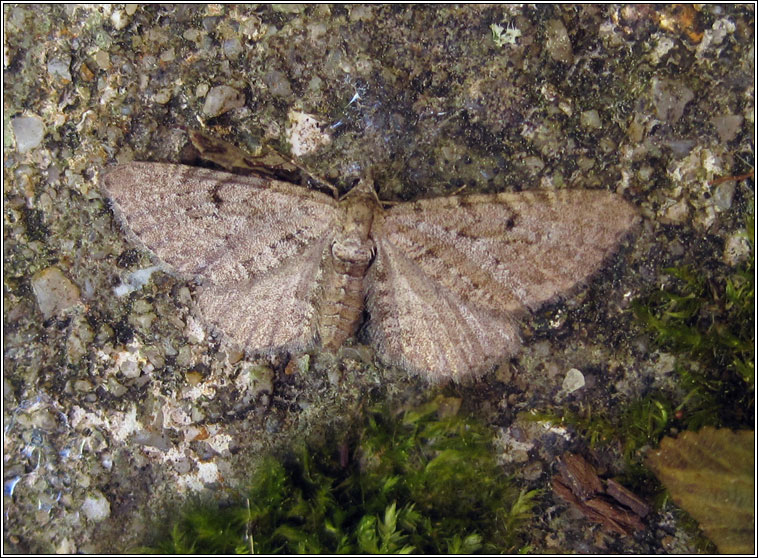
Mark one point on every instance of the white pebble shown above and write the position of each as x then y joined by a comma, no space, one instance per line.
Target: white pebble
96,507
573,381
591,119
29,131
194,331
135,280
119,20
305,133
54,291
221,99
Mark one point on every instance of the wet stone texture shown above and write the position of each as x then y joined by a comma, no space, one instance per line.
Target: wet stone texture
118,404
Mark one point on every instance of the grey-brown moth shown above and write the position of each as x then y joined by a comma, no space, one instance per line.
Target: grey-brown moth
286,268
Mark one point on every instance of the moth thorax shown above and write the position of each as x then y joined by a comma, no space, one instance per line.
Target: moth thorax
353,250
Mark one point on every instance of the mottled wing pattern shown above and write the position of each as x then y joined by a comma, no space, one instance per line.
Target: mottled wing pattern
276,310
426,328
451,273
257,242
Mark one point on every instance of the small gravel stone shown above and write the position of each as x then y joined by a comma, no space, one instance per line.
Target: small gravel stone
670,97
102,59
28,131
724,194
277,83
305,134
119,20
573,381
676,213
737,248
232,48
591,119
194,331
54,291
557,42
59,67
727,126
96,507
221,99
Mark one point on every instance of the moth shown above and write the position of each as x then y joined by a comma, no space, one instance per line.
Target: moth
443,281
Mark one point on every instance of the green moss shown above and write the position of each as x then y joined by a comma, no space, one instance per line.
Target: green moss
708,323
640,424
420,482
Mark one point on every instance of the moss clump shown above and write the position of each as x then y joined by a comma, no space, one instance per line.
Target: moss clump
708,324
421,483
640,423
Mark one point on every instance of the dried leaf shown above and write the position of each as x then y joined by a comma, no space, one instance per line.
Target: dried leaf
710,474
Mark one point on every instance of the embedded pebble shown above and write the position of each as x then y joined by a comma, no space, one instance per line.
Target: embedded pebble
515,448
591,119
737,248
183,466
298,365
193,377
135,280
43,419
232,48
96,507
119,20
59,67
142,321
102,59
129,367
201,90
724,194
272,425
662,47
168,55
66,546
115,388
573,381
305,133
676,213
277,83
54,291
260,378
28,131
83,385
534,164
221,99
162,97
715,35
557,42
727,126
81,338
194,331
670,97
